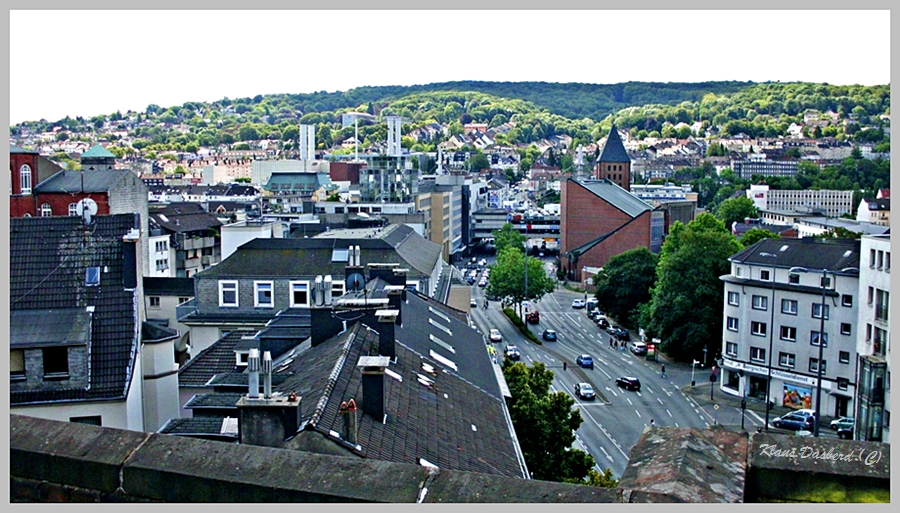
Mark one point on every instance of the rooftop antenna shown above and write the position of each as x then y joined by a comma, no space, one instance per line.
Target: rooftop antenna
86,208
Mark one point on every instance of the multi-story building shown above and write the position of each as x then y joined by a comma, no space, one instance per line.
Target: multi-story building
760,165
388,179
875,210
446,217
832,203
193,240
873,348
774,317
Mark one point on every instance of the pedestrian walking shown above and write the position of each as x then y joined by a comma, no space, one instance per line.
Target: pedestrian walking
663,370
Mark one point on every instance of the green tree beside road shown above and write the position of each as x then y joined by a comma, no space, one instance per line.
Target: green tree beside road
506,237
624,283
508,277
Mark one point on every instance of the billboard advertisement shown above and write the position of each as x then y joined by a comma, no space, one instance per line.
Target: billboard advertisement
797,397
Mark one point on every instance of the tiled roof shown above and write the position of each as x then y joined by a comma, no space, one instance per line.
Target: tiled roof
97,151
203,427
213,360
313,256
185,222
450,423
217,401
809,252
879,204
82,181
183,287
614,150
47,264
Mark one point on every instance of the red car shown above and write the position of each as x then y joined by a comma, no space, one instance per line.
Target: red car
533,317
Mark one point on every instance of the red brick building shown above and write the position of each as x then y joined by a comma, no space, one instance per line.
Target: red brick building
614,163
26,169
599,220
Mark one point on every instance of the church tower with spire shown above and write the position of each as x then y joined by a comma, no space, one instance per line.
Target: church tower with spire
614,163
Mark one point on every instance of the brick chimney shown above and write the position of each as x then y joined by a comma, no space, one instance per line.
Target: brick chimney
386,340
373,368
268,422
349,427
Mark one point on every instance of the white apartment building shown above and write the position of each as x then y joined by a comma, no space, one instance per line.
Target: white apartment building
773,317
873,347
833,203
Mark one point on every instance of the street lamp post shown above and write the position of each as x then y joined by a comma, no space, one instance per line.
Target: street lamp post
822,341
771,335
693,363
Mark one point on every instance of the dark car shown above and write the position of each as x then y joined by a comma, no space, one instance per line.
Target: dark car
533,317
549,335
629,383
585,360
602,322
470,280
622,334
584,391
796,420
845,433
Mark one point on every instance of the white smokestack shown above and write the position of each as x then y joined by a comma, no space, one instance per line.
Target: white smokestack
253,367
318,294
307,142
267,373
358,260
394,124
328,284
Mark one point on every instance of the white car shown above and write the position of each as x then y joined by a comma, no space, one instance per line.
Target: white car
578,303
495,335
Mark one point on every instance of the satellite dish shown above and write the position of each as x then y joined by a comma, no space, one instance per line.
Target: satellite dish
86,208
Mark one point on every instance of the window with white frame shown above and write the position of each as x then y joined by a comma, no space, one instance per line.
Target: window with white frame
787,360
789,333
228,293
162,246
765,275
154,301
842,383
299,294
46,210
337,288
758,328
789,306
734,299
814,338
844,356
731,348
814,365
847,300
794,278
817,311
737,271
73,209
25,178
262,294
732,323
845,328
825,282
757,354
760,302
872,258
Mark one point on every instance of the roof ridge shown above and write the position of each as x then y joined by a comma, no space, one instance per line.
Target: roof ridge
332,378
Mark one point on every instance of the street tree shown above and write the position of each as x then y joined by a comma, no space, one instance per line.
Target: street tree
736,210
545,424
508,236
508,277
754,235
625,282
686,309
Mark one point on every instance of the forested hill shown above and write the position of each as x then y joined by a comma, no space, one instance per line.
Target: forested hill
571,100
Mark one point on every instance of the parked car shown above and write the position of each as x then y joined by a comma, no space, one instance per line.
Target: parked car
622,334
796,420
612,329
549,335
584,391
482,283
602,322
470,280
629,383
473,303
843,423
533,317
512,352
495,335
585,360
578,303
592,303
845,433
638,348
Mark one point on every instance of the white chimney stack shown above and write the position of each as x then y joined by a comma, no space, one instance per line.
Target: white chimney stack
358,261
307,142
267,373
394,124
328,283
253,367
318,295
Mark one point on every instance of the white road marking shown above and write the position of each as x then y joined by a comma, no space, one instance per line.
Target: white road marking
760,419
660,400
648,389
610,458
676,424
613,391
605,432
638,413
604,372
629,401
670,413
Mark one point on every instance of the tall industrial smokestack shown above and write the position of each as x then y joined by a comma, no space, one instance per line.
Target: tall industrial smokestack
307,142
394,124
253,367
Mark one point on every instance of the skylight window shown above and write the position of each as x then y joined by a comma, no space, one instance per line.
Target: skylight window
92,276
439,314
394,375
445,361
340,255
438,326
441,343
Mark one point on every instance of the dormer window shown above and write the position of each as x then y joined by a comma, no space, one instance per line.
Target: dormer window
92,276
56,362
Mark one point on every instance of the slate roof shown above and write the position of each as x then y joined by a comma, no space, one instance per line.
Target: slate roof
200,427
809,252
879,204
48,259
18,149
215,359
313,256
183,287
54,327
68,181
216,401
614,150
450,423
98,151
294,182
687,465
186,222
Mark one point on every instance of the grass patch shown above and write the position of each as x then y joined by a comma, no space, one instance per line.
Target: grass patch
523,329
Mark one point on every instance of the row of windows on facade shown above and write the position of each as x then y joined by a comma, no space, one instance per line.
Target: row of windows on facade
789,306
155,300
880,260
264,297
785,359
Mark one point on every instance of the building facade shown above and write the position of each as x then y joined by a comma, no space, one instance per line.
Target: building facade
832,203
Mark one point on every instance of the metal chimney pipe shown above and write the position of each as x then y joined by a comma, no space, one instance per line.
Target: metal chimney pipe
358,260
253,367
267,374
318,293
328,283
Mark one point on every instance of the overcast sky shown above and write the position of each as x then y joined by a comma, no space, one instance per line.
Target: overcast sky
121,60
